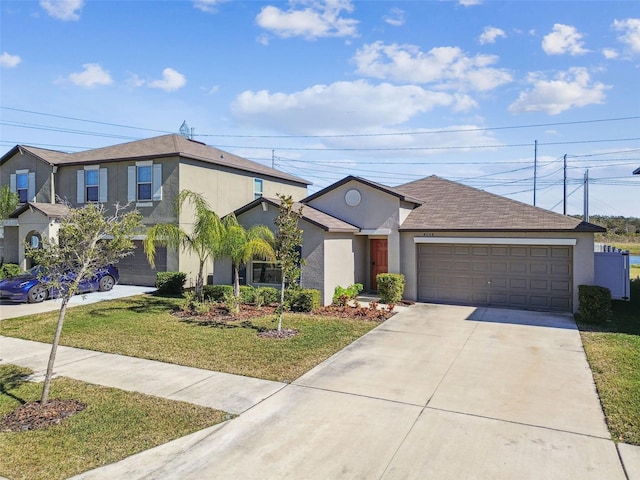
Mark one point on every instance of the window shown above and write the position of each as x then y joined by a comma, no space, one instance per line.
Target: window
92,183
266,272
22,186
257,188
23,182
144,183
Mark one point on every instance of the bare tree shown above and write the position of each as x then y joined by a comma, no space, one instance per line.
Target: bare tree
89,239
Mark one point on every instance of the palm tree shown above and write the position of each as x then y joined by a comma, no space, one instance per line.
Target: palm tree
241,245
203,240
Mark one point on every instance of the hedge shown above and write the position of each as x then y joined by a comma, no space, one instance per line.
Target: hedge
170,283
594,304
390,287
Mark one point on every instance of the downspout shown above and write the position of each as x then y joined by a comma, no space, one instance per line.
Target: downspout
54,170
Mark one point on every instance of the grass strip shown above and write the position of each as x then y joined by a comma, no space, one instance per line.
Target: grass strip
115,425
613,352
143,326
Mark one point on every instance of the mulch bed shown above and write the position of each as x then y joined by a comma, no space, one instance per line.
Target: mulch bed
33,416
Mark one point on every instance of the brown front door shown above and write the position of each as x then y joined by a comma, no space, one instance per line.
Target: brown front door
379,262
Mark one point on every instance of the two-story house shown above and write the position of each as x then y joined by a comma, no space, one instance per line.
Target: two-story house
147,174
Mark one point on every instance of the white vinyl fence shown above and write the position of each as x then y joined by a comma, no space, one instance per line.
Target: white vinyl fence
612,270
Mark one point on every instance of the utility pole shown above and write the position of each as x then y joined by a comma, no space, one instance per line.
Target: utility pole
273,158
564,187
586,195
535,169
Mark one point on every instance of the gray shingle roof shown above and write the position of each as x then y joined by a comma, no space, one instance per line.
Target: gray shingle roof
157,147
326,222
455,207
636,171
50,210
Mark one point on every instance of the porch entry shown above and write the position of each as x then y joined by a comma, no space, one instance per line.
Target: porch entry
379,259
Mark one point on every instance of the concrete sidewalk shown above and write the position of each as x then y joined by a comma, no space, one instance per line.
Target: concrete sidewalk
231,393
439,392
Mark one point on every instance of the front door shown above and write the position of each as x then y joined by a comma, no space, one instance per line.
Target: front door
379,259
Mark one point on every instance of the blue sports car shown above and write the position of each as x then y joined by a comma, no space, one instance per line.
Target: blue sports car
27,287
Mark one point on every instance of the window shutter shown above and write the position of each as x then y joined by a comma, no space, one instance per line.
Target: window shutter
157,181
31,192
103,186
12,183
131,183
80,186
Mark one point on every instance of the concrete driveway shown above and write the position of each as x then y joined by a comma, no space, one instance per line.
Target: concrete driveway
12,310
436,392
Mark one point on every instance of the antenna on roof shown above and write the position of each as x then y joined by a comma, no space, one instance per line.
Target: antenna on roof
185,131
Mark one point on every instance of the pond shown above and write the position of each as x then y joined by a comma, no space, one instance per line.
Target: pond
634,259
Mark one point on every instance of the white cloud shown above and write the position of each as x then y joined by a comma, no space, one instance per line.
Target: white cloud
609,53
563,39
171,81
395,17
448,66
92,75
350,106
9,61
320,18
469,3
631,32
569,89
490,35
209,6
135,81
63,9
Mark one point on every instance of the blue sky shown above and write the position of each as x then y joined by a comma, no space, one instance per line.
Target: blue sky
390,91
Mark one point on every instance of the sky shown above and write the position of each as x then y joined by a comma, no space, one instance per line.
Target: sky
496,95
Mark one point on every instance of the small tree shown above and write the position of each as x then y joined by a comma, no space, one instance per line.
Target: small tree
288,247
241,245
9,201
88,240
203,239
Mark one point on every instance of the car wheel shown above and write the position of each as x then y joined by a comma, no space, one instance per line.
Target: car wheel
106,283
37,294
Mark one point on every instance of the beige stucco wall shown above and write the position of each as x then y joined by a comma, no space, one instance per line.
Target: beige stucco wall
10,251
339,264
583,259
34,221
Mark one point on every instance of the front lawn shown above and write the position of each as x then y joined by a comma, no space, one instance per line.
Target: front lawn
114,425
613,352
144,327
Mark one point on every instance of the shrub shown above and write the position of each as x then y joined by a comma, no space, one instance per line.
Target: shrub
390,287
341,295
267,295
594,304
170,283
305,300
216,293
231,302
247,294
9,270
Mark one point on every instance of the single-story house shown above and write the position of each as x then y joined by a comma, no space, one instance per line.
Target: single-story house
453,243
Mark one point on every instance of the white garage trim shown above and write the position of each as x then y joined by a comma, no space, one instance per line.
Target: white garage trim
496,241
378,231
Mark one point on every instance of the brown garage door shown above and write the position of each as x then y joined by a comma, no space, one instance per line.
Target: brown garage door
519,276
135,269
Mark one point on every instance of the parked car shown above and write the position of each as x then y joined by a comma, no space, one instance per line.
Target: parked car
27,287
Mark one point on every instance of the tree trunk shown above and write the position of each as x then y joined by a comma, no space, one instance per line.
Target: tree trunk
281,305
54,349
236,280
199,282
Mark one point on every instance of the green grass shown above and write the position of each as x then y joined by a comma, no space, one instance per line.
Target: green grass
115,425
613,352
143,326
634,248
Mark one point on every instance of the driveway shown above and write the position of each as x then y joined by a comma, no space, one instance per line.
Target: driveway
438,392
12,310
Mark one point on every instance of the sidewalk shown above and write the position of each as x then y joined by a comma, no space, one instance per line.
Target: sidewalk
230,393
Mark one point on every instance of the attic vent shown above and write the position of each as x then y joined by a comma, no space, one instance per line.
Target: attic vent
221,156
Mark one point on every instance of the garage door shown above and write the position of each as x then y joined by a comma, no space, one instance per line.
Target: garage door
518,276
135,269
